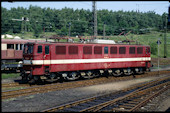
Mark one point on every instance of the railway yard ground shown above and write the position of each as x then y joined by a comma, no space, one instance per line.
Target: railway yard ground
57,94
44,100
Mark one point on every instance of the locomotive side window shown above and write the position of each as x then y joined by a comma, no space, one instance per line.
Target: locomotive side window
10,46
140,50
46,49
73,50
113,50
39,49
98,50
105,50
132,50
122,50
60,50
87,50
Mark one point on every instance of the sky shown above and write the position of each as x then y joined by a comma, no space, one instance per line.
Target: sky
159,7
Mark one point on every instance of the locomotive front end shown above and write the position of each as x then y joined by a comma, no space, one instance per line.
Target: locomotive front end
36,62
26,72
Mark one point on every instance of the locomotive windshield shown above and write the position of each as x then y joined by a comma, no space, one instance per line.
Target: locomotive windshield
28,49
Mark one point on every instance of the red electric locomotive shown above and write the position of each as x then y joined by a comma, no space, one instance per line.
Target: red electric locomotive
73,60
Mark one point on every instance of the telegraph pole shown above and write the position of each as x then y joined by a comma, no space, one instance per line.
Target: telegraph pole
94,19
165,50
24,20
158,42
104,30
69,28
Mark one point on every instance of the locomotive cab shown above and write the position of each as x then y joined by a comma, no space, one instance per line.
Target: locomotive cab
36,60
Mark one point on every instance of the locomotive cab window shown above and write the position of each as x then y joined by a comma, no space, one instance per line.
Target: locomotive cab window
113,50
132,50
28,49
105,50
122,50
39,49
46,49
140,50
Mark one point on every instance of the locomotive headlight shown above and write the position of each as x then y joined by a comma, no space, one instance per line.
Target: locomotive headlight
20,62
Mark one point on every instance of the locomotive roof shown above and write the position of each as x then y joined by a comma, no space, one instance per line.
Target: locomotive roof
83,43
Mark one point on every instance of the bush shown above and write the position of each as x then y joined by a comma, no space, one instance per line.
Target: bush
154,48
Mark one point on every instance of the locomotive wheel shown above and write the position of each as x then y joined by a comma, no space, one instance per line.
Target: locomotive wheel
117,72
24,79
31,82
127,71
54,77
72,76
139,71
88,75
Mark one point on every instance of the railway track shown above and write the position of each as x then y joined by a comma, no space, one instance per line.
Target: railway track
13,84
66,85
130,99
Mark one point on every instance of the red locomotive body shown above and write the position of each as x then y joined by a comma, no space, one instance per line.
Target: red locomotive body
74,60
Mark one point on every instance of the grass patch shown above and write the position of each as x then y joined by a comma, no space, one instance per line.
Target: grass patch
13,88
9,75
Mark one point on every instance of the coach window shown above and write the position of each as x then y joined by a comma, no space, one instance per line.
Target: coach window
140,50
132,50
122,50
10,46
87,50
46,49
113,50
60,50
17,47
73,50
105,50
21,46
98,50
39,49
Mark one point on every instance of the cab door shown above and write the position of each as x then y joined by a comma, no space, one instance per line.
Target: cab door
46,58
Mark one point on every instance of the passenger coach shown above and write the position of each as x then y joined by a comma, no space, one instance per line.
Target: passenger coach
73,60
